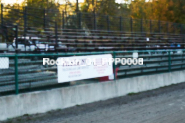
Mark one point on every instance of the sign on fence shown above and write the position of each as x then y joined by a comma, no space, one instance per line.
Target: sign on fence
94,68
4,62
135,55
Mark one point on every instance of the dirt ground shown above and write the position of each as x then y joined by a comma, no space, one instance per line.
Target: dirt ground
164,105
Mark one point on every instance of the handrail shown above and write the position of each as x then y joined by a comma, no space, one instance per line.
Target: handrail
87,53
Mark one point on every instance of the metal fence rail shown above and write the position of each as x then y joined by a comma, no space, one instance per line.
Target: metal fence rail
27,73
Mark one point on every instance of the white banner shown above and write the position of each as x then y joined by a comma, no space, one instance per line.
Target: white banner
4,62
135,55
81,71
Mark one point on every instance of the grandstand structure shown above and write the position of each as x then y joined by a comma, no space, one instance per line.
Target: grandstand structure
85,32
71,33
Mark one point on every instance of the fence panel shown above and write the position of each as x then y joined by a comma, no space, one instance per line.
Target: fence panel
146,25
136,23
153,62
26,72
7,75
88,21
114,23
127,24
102,22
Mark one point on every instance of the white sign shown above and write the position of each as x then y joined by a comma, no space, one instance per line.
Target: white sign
147,39
111,77
135,55
4,62
81,71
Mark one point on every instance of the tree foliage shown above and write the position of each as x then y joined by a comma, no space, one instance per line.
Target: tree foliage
105,7
34,12
166,10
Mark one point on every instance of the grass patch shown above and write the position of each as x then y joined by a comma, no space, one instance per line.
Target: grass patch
132,93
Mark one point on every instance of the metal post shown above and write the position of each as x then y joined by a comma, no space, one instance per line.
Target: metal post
183,42
44,18
120,23
150,26
4,28
141,25
25,25
131,25
16,38
167,27
2,21
63,19
56,35
180,28
174,28
95,26
159,24
114,65
169,61
108,23
25,19
79,20
16,74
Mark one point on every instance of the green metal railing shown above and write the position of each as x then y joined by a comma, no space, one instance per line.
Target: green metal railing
27,73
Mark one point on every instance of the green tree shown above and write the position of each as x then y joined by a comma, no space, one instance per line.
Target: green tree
34,12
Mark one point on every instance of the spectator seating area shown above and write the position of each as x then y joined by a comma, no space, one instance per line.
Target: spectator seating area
54,39
74,40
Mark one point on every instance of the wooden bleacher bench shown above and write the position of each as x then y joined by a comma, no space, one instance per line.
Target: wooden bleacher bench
3,50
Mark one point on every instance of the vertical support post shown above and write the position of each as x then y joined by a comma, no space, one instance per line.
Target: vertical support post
16,74
108,23
4,28
16,38
25,20
141,25
25,25
182,45
131,29
114,65
173,28
2,21
44,18
4,37
159,24
169,61
95,24
120,24
150,26
79,20
56,35
63,19
167,27
180,28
